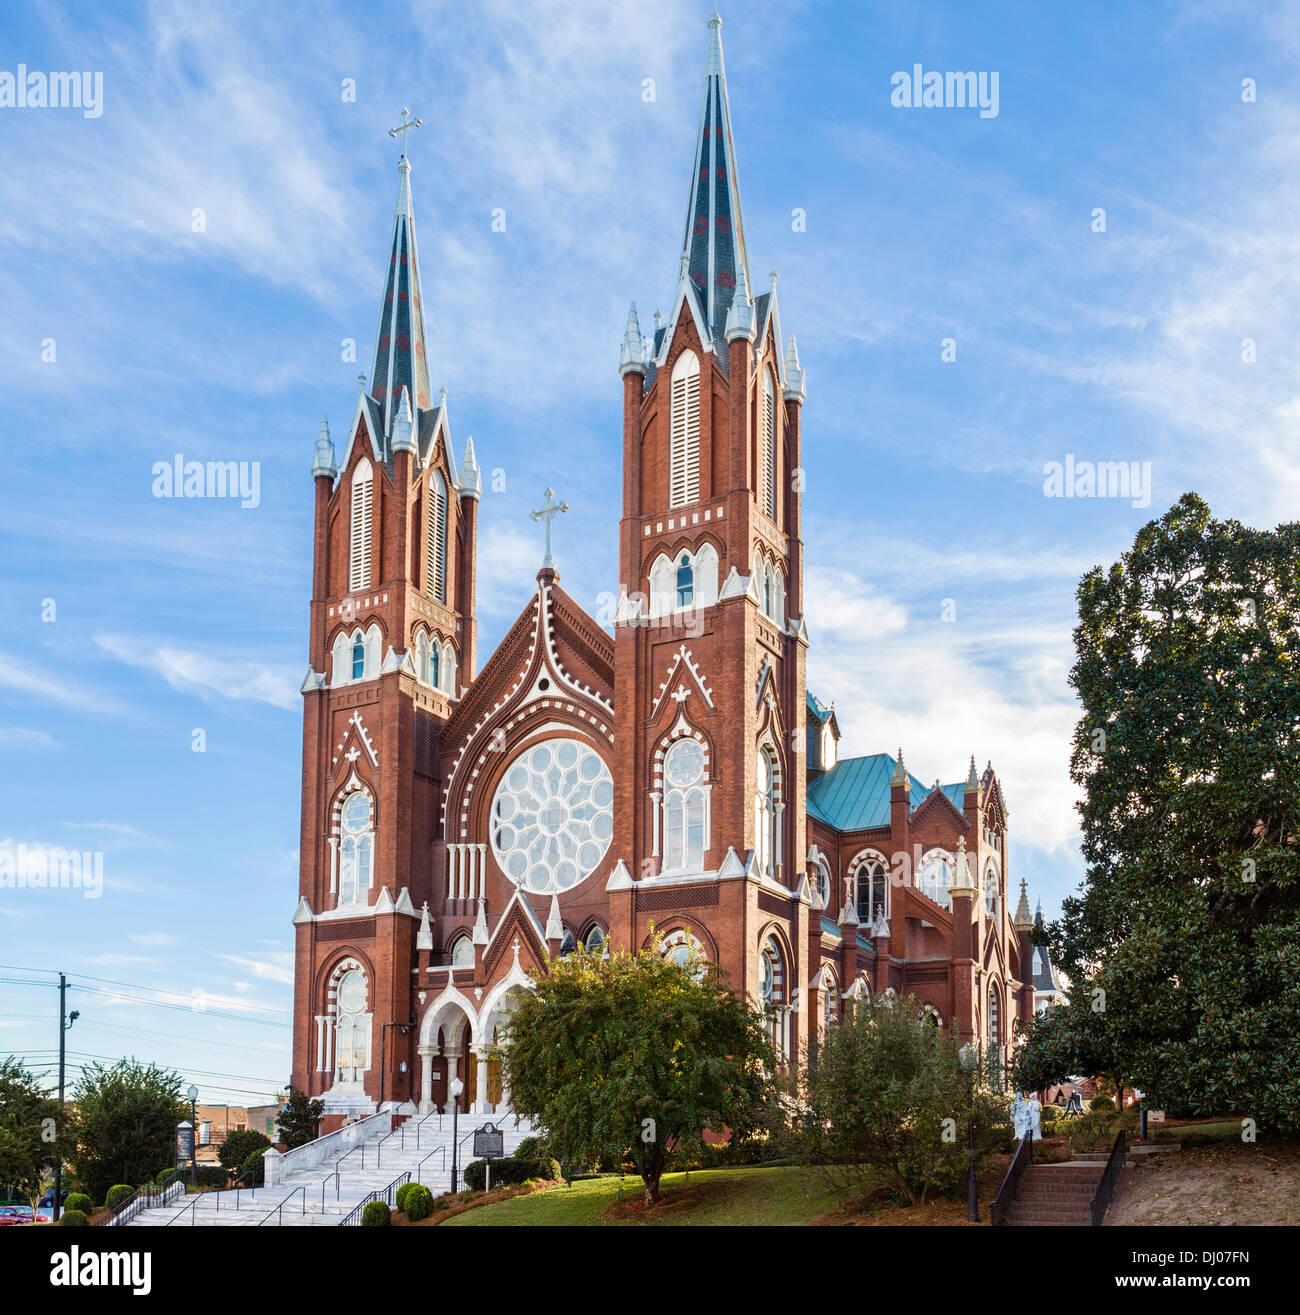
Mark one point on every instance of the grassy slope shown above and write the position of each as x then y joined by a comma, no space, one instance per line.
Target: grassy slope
713,1196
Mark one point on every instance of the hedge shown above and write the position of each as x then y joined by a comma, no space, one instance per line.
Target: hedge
419,1202
74,1219
117,1194
78,1201
376,1215
510,1171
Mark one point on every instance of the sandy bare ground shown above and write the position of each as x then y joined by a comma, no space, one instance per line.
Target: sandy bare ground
1229,1183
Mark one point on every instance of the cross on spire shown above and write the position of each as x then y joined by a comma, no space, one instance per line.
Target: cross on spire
548,511
404,127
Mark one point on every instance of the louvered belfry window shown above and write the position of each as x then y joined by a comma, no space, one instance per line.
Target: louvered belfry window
438,538
362,528
767,452
684,437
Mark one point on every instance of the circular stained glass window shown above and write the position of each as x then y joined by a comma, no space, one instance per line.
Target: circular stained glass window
553,816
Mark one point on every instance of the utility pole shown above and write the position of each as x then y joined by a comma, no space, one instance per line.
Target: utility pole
65,1022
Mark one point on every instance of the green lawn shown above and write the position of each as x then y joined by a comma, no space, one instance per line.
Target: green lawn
793,1195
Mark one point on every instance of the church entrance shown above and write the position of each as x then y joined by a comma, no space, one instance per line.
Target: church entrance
493,1070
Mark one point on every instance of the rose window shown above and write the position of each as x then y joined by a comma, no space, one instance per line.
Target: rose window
553,816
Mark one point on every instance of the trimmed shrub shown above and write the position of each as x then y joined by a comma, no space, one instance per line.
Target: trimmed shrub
211,1175
253,1161
117,1194
508,1172
1102,1105
419,1202
74,1219
402,1193
532,1148
239,1145
376,1215
78,1201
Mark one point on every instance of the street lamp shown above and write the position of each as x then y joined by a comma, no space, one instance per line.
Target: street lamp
455,1088
970,1060
193,1094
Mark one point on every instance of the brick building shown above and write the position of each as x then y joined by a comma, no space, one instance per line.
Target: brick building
463,826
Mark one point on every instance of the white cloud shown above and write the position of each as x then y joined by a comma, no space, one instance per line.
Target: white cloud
25,738
267,968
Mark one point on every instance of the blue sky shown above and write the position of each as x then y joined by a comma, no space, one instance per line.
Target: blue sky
924,477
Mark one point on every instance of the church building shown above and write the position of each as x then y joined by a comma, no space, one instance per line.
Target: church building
464,824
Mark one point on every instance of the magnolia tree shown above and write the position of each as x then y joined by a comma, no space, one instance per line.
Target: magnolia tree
887,1099
1185,938
637,1053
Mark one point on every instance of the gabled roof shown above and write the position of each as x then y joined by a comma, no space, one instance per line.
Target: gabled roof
821,714
854,794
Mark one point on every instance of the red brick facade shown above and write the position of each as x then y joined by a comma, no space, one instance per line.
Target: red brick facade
759,876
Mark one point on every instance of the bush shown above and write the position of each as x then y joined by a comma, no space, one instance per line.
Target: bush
253,1162
532,1148
74,1219
402,1193
507,1173
443,1201
238,1146
1102,1105
117,1194
376,1215
211,1175
419,1202
78,1201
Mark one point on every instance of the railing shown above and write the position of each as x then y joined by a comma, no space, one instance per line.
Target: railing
313,1153
1110,1176
191,1208
239,1186
1020,1161
438,1150
338,1164
160,1194
385,1194
338,1188
280,1207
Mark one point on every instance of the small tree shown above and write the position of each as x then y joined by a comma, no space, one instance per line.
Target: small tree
29,1127
887,1097
299,1120
126,1123
640,1052
239,1145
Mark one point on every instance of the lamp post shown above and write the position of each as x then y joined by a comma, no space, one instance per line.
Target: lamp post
193,1094
970,1059
455,1088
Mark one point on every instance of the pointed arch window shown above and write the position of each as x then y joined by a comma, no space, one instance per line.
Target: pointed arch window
767,480
995,1018
462,952
686,807
871,888
684,432
936,878
765,815
361,527
685,581
352,1028
437,572
992,893
358,658
595,939
435,666
356,848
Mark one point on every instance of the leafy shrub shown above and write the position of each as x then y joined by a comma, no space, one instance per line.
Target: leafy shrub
443,1201
506,1173
419,1202
239,1145
1102,1105
399,1201
211,1175
74,1219
532,1148
117,1194
78,1201
376,1215
254,1164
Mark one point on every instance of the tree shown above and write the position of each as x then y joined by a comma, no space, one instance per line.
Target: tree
639,1052
30,1122
1064,1040
299,1120
239,1145
126,1123
1187,928
887,1096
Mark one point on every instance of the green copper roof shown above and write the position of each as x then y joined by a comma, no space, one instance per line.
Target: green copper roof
854,794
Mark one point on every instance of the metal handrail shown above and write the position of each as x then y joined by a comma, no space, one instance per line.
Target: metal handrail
277,1211
437,1150
134,1203
1110,1176
353,1219
360,1146
192,1207
419,1127
1020,1161
239,1186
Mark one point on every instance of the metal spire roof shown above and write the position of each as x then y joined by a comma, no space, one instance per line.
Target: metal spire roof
399,344
714,242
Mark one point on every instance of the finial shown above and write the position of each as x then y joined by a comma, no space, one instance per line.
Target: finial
548,511
361,379
773,275
1022,921
632,357
324,462
404,127
900,772
659,319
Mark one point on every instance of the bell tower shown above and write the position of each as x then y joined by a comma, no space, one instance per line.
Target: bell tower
709,638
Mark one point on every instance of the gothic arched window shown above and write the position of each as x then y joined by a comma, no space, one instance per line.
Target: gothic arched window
765,814
360,529
995,1018
351,1028
462,952
936,878
356,848
358,658
684,432
595,938
568,943
437,573
767,454
685,807
992,893
685,582
871,887
435,666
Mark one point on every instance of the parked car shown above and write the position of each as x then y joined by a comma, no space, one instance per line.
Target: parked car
48,1198
10,1215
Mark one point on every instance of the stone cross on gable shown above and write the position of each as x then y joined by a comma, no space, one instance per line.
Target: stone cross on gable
548,511
404,127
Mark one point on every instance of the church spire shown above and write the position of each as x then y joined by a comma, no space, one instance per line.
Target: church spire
714,242
400,361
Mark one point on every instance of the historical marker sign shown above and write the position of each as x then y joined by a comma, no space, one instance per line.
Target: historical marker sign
489,1142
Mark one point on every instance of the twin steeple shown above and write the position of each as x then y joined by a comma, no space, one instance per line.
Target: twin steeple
400,360
713,248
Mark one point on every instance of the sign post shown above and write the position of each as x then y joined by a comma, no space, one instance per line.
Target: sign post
489,1143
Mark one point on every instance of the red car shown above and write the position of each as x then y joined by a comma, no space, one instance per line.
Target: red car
22,1214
